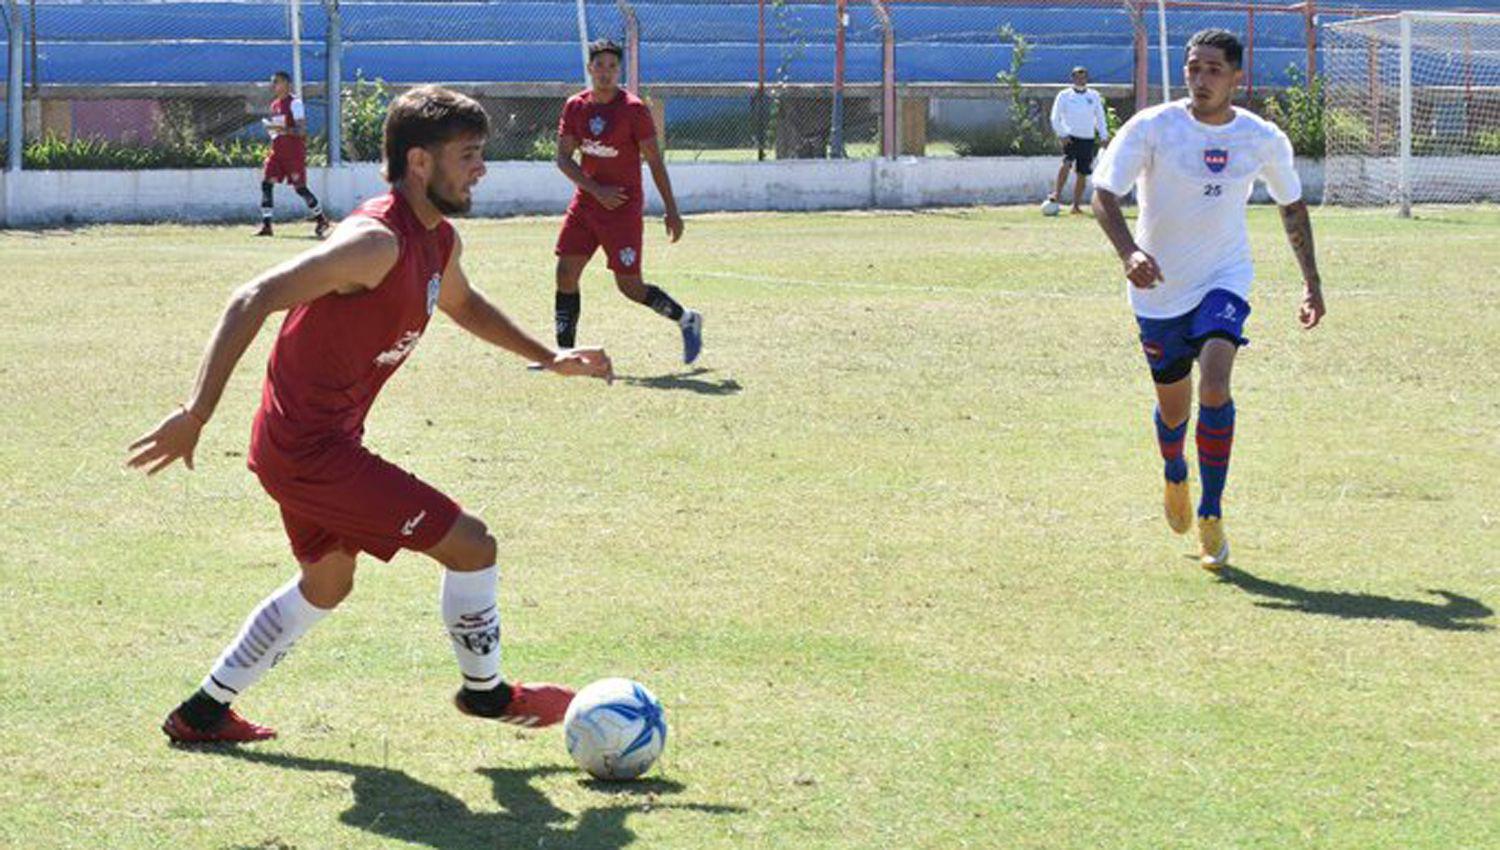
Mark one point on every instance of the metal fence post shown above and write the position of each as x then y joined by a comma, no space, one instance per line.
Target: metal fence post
836,132
888,141
1310,14
1141,76
632,45
760,84
15,121
333,84
294,23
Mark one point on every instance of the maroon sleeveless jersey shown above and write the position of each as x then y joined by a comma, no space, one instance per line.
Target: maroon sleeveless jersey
333,354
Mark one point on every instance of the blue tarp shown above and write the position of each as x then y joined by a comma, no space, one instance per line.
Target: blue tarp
220,42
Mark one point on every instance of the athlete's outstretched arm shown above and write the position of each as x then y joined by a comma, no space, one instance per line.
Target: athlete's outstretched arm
1298,225
1140,267
474,313
356,257
652,154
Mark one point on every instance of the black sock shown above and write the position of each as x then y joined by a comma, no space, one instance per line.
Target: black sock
490,703
203,712
662,303
266,204
312,201
569,305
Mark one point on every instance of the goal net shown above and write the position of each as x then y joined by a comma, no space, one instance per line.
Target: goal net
1413,109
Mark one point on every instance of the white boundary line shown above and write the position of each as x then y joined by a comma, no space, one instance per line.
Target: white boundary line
1111,295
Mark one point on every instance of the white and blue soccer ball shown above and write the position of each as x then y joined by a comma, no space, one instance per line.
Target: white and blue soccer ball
1050,207
615,729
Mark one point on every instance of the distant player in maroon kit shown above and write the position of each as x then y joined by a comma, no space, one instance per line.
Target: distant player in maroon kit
357,307
613,130
287,160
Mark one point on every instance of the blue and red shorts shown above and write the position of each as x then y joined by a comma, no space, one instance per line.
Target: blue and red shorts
1171,345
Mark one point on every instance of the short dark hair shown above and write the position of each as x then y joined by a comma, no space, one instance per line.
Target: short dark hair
424,117
1234,52
605,45
281,75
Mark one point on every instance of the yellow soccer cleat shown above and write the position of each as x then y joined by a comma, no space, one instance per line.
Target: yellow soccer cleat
1214,546
1178,502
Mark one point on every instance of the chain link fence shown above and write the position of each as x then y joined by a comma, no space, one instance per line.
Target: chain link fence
155,83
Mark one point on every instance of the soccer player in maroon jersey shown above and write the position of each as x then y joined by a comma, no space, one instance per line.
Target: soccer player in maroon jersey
287,159
613,130
357,307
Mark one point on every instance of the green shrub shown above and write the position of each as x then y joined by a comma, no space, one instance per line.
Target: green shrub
364,108
54,153
1487,142
1027,133
1298,111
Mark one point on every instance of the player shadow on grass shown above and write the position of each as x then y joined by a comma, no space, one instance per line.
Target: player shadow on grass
390,803
684,381
1455,614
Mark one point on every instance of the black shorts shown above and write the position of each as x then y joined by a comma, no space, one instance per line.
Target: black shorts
1080,152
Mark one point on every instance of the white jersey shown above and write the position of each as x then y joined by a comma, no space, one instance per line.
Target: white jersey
1195,180
1079,114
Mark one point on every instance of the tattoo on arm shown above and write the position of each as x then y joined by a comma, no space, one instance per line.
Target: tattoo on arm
1298,225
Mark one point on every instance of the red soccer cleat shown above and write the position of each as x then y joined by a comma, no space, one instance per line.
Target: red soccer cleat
234,729
532,706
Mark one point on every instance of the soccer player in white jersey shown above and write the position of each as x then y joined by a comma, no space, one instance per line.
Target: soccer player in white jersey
1194,163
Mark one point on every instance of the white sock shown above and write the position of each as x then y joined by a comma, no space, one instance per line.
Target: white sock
473,620
267,636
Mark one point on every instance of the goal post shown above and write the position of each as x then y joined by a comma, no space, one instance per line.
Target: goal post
1413,109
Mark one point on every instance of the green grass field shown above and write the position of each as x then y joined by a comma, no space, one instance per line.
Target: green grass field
892,557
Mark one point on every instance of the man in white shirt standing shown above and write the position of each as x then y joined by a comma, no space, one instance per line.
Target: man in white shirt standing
1077,119
1194,163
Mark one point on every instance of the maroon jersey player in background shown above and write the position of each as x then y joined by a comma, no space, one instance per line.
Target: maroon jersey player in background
613,130
286,162
357,307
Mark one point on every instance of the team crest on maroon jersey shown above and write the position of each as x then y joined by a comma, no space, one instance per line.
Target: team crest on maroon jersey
597,125
433,287
1216,159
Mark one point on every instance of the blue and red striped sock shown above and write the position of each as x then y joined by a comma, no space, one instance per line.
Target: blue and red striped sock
1170,440
1215,437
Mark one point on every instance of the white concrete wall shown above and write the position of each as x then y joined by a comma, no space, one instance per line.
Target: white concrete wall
1434,179
43,198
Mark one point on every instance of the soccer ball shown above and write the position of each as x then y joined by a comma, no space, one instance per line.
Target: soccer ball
1050,207
615,729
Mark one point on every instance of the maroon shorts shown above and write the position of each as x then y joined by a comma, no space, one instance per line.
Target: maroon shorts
351,498
618,231
290,168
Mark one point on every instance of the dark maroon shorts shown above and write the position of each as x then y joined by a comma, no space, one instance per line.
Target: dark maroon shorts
619,232
353,499
289,168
